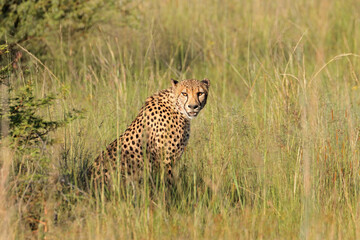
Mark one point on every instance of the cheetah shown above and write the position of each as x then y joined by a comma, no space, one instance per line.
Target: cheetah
157,137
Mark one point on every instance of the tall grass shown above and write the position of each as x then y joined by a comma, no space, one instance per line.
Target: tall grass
274,154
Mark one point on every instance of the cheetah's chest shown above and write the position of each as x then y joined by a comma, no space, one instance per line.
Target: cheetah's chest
167,131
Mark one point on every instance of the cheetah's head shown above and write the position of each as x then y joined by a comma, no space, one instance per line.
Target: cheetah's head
190,96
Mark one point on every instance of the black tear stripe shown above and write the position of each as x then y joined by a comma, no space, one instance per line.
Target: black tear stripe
204,102
185,103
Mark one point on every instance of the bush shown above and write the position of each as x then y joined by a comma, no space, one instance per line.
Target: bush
30,138
27,130
38,22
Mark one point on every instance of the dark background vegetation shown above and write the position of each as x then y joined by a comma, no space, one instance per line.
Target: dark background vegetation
275,153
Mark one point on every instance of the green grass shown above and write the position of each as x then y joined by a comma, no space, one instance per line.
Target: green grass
274,154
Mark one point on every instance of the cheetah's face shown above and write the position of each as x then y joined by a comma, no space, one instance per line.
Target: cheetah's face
191,96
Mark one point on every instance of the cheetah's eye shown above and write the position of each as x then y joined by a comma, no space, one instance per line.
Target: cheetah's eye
184,94
200,94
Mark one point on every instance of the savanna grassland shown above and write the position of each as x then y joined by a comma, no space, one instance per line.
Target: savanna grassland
273,155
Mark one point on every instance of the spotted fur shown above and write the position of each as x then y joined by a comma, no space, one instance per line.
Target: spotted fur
160,132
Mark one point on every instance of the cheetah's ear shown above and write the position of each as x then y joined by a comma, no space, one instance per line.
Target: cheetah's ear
206,81
174,82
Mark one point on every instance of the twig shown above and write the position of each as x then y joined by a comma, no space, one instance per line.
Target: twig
38,60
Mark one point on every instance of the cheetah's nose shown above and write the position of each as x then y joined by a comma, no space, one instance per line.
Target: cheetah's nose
193,107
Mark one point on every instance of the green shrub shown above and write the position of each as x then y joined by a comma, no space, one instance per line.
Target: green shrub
30,137
42,22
